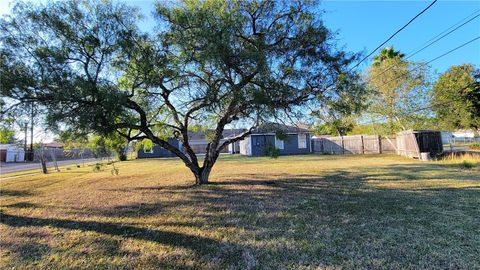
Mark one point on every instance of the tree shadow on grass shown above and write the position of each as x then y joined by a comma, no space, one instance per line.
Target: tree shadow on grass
15,193
200,245
26,251
24,205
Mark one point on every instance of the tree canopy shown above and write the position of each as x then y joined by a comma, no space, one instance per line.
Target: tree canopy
456,98
218,62
398,89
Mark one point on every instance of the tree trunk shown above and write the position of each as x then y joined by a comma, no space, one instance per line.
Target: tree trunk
202,177
122,155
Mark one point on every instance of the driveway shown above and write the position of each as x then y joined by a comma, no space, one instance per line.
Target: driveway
27,166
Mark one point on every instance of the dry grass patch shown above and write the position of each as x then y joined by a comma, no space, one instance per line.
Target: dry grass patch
289,213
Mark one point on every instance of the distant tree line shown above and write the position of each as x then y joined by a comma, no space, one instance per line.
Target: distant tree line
402,95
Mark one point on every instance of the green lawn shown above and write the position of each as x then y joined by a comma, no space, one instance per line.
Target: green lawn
301,212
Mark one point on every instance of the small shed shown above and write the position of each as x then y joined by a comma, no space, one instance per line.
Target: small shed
11,153
412,143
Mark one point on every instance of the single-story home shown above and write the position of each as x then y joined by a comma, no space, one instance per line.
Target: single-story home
289,140
157,151
464,134
198,141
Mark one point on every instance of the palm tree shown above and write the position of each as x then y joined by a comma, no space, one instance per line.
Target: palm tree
387,53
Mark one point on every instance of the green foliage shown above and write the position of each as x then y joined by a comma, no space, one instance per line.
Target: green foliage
115,171
78,42
272,151
145,144
474,146
103,146
398,89
336,112
338,127
98,167
386,54
467,164
7,135
456,98
281,135
72,139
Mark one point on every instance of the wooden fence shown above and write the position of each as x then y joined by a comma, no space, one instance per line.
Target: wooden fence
358,144
411,143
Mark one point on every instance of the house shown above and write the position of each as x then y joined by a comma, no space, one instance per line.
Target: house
157,151
53,145
288,140
463,135
198,142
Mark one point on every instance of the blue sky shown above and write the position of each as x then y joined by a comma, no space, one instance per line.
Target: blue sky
363,25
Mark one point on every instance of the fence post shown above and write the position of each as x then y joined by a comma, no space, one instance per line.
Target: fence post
43,161
363,145
379,138
53,154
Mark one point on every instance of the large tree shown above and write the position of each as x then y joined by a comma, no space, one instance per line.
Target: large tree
337,116
212,61
399,88
456,98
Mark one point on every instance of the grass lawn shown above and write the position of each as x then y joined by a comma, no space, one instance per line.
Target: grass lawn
300,212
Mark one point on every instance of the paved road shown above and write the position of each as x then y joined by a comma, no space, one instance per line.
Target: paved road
27,166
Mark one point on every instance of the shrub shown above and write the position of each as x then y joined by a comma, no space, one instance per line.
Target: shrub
467,164
98,167
475,146
272,152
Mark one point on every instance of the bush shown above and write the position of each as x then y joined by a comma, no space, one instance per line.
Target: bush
272,152
98,167
467,164
475,146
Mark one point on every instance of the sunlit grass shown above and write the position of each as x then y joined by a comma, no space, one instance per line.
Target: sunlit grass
464,161
372,211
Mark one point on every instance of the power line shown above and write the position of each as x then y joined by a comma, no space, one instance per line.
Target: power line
394,34
452,50
434,59
433,40
425,107
444,35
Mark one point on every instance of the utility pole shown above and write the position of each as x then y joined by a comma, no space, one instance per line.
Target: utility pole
31,132
26,136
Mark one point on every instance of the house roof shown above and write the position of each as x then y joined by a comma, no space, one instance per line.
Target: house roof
201,135
418,131
53,145
276,127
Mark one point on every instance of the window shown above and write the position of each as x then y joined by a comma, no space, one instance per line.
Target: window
302,140
278,143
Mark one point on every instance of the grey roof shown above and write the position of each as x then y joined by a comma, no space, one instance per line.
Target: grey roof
201,135
276,127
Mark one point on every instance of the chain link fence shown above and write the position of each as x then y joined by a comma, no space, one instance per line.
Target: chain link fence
47,159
